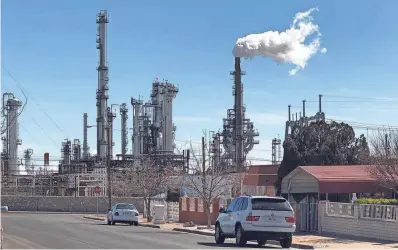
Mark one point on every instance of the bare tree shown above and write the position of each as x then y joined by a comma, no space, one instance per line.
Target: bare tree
207,181
145,177
384,159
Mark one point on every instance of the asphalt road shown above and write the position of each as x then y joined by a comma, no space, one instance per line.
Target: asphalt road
60,231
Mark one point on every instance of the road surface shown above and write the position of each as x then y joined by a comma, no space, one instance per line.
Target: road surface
38,231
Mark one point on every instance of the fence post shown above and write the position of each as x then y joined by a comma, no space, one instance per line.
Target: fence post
357,211
322,205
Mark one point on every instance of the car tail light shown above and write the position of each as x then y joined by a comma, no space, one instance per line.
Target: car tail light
252,218
117,214
290,219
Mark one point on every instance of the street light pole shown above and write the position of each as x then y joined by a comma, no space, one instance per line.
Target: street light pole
108,169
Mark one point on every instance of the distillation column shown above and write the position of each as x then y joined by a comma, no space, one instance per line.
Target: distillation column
13,106
137,105
124,135
85,137
102,91
238,108
169,93
111,118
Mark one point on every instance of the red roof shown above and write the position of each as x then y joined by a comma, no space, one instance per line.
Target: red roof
261,175
343,179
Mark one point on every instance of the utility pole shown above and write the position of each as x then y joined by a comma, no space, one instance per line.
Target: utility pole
204,176
203,156
108,169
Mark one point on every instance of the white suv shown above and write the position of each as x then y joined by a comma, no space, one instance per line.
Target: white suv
258,218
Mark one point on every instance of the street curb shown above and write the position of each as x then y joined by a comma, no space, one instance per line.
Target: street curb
93,218
299,246
184,230
148,225
275,243
103,219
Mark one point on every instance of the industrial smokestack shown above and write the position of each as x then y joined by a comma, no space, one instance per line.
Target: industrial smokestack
237,64
46,159
238,115
284,47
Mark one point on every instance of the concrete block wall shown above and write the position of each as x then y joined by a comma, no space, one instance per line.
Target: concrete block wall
65,203
356,226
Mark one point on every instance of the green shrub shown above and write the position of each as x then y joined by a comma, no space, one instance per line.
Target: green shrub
378,201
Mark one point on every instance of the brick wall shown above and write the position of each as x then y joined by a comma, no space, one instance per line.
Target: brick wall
65,203
350,219
192,209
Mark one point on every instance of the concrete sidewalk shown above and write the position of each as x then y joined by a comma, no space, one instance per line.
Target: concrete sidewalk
301,241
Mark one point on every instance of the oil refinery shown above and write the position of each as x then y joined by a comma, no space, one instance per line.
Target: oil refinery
153,133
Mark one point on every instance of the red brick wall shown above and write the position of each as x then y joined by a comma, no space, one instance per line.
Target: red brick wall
192,210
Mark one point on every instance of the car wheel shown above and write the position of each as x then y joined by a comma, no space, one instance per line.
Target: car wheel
131,223
218,236
240,236
286,243
261,242
135,223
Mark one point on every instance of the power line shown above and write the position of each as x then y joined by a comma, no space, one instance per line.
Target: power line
45,133
362,98
37,104
17,115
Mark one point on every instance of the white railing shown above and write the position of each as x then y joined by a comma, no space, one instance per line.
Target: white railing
340,209
379,212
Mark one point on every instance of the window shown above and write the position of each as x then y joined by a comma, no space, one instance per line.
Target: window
270,204
231,205
244,204
125,206
238,204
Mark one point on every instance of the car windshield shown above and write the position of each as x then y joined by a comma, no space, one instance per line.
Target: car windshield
270,204
125,206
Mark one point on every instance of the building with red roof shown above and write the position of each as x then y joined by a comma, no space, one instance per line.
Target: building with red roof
324,181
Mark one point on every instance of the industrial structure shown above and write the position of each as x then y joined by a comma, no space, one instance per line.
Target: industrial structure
10,139
153,133
78,171
301,119
153,128
238,134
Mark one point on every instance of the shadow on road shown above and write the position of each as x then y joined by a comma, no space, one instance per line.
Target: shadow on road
253,245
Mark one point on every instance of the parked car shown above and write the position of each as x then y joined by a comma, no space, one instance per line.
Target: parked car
260,218
123,213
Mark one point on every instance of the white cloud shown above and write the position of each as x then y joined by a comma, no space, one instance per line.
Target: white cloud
284,47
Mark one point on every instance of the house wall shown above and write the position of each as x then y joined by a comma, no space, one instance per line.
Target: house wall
301,182
368,221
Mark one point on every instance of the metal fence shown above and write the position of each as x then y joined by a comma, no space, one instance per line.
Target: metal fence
306,216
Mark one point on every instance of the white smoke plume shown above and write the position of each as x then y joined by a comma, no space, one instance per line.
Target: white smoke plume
284,47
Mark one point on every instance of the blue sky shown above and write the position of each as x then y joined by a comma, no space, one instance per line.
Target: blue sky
49,47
